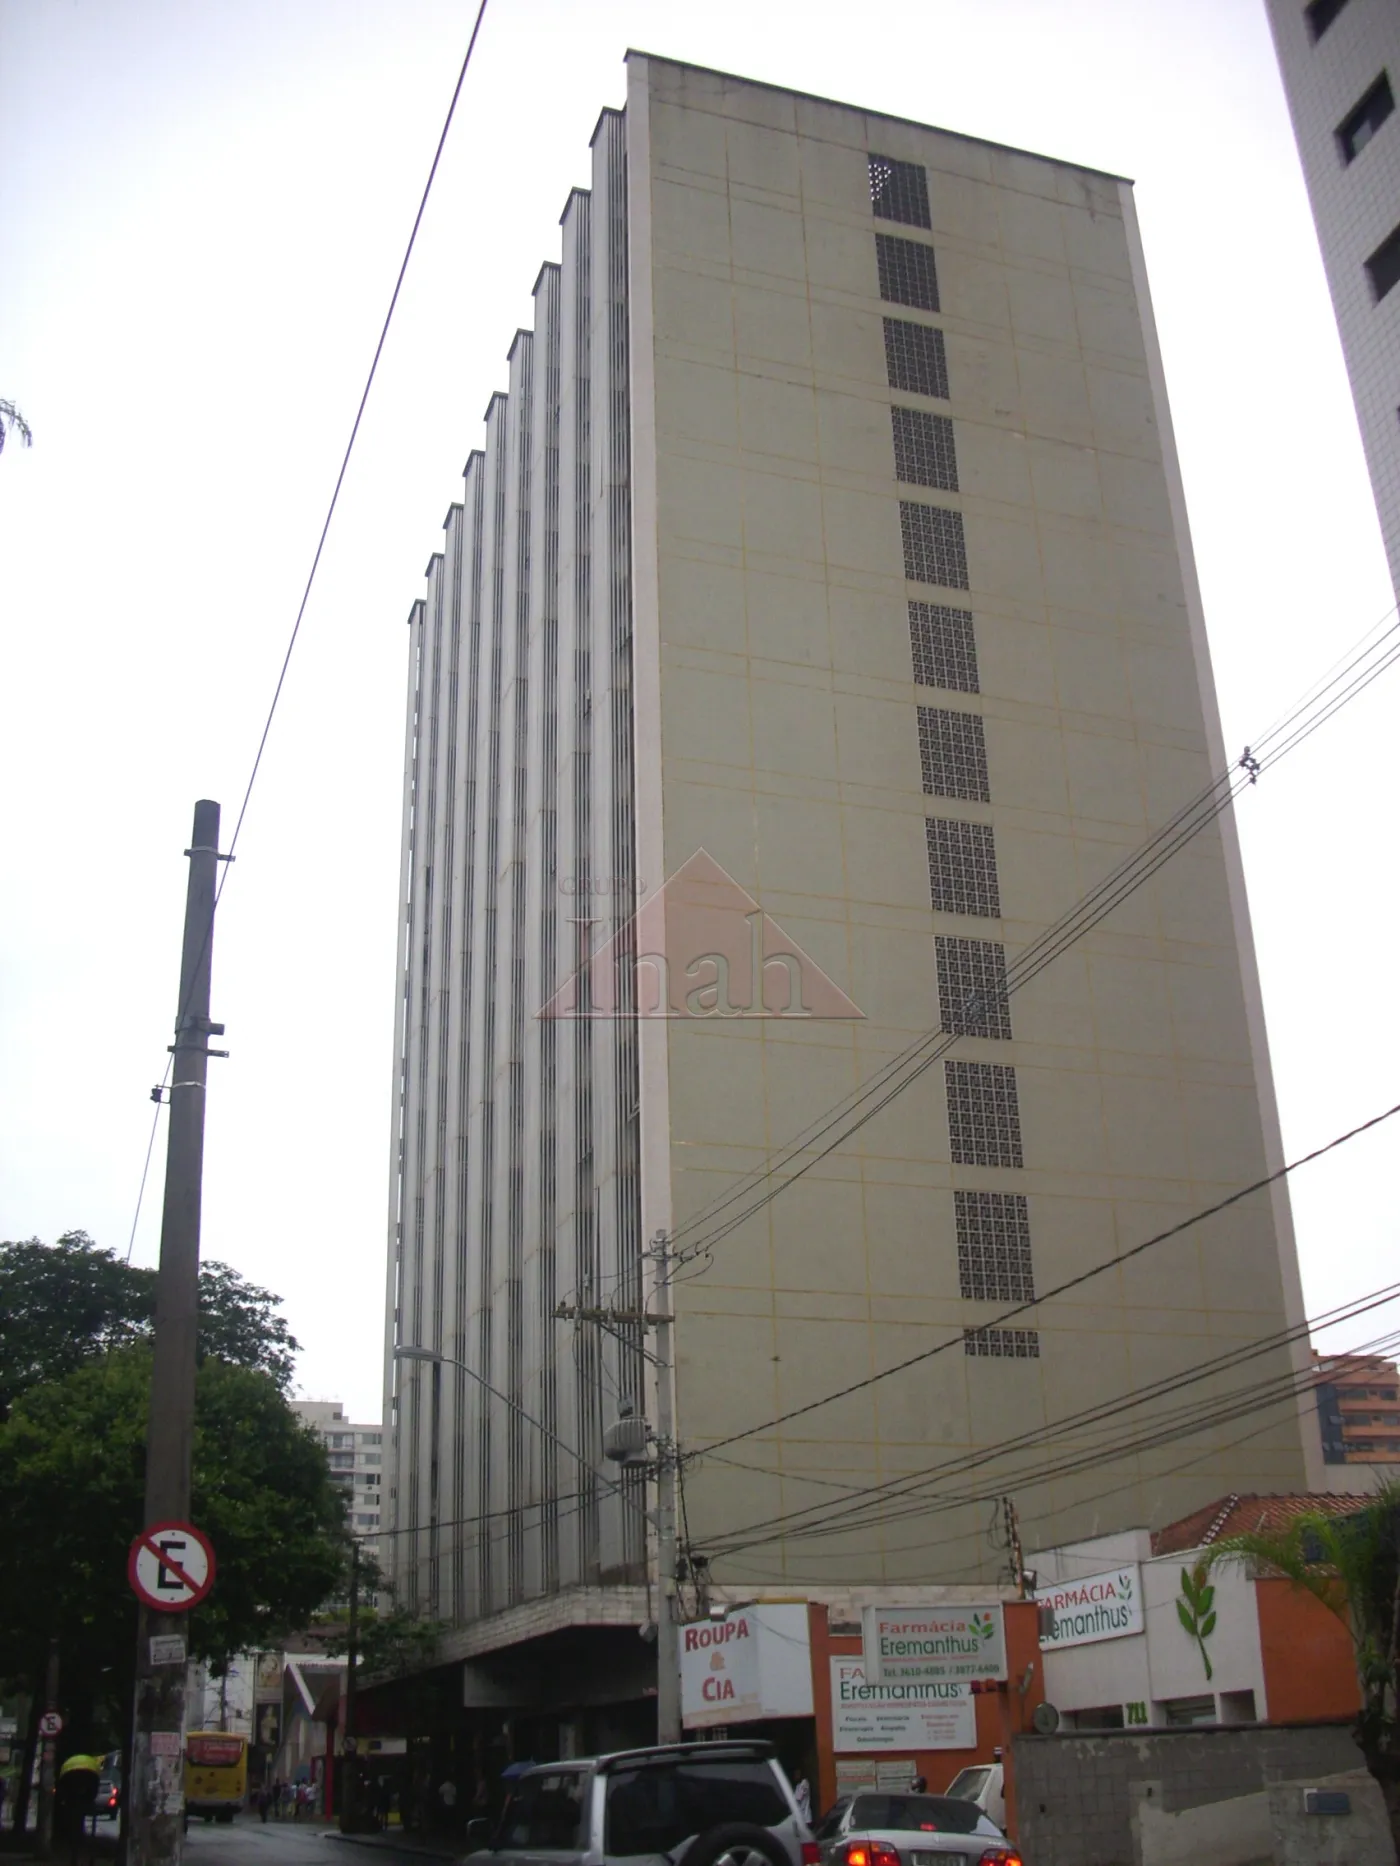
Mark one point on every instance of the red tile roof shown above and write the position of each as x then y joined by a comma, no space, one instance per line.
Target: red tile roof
1241,1515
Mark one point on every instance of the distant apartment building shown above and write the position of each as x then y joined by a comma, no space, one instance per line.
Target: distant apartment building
816,627
356,1454
1358,1408
1340,61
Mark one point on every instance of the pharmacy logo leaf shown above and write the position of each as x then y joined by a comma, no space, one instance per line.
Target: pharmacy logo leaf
1196,1609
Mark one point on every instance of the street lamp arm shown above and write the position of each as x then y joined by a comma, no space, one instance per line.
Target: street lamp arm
434,1358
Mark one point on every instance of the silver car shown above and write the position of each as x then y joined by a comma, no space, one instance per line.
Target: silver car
694,1804
911,1830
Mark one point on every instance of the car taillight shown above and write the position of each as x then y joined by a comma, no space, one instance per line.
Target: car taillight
871,1853
811,1853
1001,1856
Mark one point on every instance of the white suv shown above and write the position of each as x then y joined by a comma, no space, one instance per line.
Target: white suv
703,1804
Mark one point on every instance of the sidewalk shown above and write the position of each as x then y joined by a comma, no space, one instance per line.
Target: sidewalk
395,1840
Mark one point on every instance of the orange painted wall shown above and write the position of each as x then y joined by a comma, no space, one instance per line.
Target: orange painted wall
1309,1667
1002,1712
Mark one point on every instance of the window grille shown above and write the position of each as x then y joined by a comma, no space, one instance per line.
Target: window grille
935,550
1012,1344
908,274
953,754
916,358
962,868
994,1247
984,1118
899,191
1319,15
1383,267
943,647
923,449
1360,125
972,1000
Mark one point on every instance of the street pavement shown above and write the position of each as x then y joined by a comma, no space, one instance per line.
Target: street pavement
283,1843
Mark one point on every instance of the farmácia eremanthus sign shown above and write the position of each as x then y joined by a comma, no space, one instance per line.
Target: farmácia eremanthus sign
1097,1606
932,1643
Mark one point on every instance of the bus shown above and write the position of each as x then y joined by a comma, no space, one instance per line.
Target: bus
216,1774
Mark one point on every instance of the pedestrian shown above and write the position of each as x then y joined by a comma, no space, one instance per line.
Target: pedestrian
262,1804
919,1786
802,1795
384,1798
447,1802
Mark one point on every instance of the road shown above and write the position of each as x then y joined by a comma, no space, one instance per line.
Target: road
282,1843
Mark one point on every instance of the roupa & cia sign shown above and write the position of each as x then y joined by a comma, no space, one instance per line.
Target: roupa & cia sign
753,1663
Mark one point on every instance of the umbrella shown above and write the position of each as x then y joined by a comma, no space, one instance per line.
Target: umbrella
515,1769
92,1763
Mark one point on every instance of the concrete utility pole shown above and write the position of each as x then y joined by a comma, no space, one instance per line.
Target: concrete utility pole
349,1783
158,1733
657,1315
668,1632
48,1753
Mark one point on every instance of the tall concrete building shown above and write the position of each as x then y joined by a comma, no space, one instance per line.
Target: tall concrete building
816,626
1336,57
356,1454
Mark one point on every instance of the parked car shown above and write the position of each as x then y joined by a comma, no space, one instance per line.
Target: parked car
692,1804
107,1806
984,1783
911,1830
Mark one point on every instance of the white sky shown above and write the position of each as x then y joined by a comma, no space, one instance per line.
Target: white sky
202,209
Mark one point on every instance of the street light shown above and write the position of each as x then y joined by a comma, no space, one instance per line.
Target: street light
436,1359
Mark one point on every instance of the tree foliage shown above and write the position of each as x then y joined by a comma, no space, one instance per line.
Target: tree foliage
64,1304
72,1479
1351,1563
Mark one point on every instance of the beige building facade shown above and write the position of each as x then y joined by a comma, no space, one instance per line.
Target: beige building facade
828,557
1340,61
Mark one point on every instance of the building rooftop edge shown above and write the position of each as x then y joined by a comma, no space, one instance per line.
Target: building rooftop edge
815,97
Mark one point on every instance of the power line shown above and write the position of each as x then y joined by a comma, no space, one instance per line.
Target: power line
321,543
1258,1396
1357,670
1054,1430
1060,1289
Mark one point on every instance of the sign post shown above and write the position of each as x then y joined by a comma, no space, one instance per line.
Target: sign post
155,1798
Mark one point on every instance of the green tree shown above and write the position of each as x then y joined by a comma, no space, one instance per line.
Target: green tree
72,1476
1351,1563
65,1304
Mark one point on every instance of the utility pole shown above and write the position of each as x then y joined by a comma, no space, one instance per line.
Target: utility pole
1013,1542
666,1466
48,1754
158,1733
668,1632
349,1758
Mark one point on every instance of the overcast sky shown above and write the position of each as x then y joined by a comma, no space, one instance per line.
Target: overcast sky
202,209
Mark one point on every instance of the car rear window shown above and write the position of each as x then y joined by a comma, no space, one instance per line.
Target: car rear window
913,1814
652,1810
968,1784
544,1811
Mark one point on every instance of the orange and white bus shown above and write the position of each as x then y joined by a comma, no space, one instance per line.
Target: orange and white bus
216,1774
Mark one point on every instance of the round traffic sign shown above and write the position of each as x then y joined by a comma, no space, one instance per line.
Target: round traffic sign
50,1723
171,1566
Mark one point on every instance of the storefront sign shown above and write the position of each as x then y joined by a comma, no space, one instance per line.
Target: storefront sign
927,1714
1101,1606
754,1663
931,1645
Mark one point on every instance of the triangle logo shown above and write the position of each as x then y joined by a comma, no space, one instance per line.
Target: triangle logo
701,946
